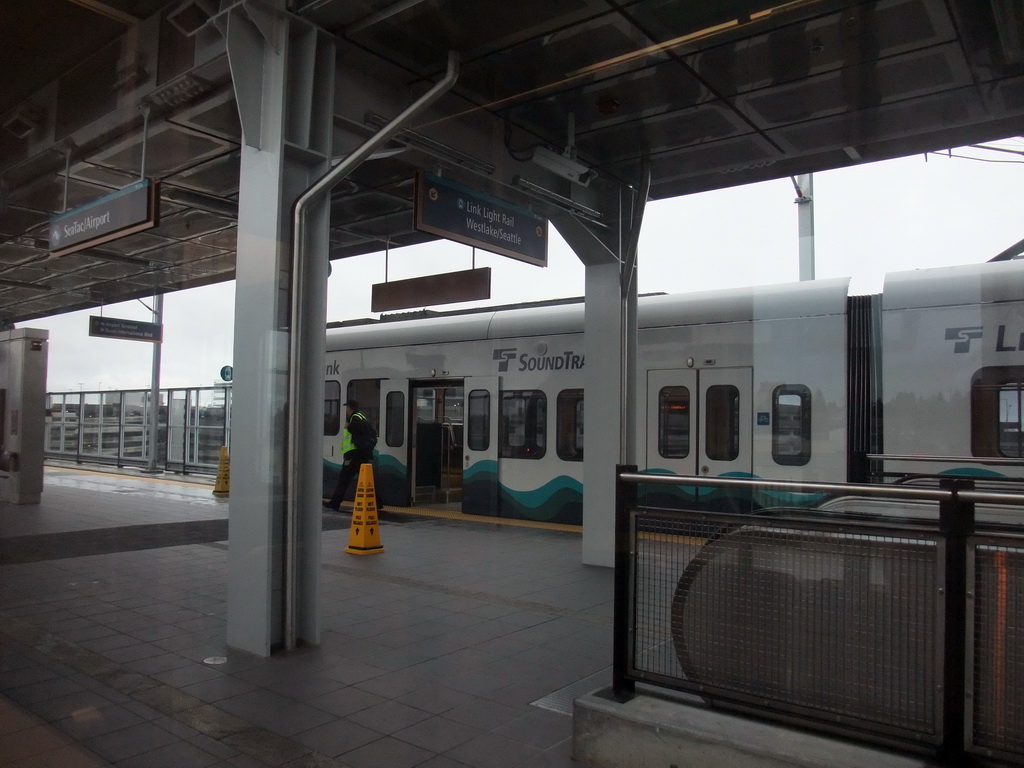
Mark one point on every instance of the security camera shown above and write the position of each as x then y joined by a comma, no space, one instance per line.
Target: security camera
564,165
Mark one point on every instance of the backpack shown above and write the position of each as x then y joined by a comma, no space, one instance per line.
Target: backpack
370,433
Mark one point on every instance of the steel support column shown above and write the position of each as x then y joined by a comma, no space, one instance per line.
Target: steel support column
281,67
610,330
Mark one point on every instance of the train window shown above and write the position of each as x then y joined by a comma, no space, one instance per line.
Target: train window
478,436
366,392
521,426
394,419
791,424
722,422
453,404
569,418
426,405
1010,421
674,422
997,418
332,407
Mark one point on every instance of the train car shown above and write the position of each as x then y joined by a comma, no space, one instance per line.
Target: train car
465,404
484,409
952,362
745,384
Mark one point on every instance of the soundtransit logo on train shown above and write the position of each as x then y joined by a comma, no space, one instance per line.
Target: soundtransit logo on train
963,336
567,361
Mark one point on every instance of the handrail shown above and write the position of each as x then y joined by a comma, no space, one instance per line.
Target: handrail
991,497
993,460
900,492
846,489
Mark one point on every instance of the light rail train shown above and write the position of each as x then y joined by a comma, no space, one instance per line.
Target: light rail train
485,408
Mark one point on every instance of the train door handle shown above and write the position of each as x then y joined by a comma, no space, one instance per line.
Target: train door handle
704,470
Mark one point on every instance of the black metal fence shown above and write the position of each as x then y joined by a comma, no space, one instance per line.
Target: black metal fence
904,629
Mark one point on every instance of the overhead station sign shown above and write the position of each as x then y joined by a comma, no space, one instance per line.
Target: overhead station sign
121,213
132,330
466,216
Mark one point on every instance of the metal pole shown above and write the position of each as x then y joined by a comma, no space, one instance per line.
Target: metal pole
627,317
67,176
956,522
300,411
145,140
623,689
154,389
805,223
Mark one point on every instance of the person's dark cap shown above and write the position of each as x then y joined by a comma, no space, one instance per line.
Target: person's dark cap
350,404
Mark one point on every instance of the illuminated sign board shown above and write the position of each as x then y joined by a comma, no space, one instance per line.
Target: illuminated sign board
466,216
121,213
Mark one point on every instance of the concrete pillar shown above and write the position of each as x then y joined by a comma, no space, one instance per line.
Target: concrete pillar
23,357
280,69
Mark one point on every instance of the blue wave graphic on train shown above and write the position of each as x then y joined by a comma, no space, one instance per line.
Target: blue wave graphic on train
560,500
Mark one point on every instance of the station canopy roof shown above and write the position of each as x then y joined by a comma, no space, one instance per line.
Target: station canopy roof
707,94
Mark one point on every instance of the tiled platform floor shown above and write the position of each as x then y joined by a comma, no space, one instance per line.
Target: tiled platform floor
434,652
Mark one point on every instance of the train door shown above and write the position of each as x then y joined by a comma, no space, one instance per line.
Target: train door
437,438
392,470
699,421
725,425
480,468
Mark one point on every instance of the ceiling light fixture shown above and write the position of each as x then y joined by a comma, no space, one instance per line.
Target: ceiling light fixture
565,203
432,146
690,37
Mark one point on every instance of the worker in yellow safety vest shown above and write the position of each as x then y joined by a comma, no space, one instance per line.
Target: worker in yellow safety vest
358,440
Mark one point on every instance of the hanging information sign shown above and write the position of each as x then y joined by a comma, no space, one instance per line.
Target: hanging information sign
466,216
120,213
133,330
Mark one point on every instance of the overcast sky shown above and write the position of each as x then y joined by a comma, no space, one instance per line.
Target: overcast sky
903,214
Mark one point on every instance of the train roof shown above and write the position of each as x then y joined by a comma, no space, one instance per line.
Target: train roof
769,302
985,283
765,302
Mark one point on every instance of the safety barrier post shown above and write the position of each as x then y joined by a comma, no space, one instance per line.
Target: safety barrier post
956,522
623,689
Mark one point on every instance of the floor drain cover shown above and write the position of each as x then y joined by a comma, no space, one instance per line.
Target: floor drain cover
562,699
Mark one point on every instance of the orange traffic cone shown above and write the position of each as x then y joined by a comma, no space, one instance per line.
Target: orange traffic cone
364,535
223,483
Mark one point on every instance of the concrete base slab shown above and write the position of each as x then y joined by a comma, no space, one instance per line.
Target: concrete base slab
651,732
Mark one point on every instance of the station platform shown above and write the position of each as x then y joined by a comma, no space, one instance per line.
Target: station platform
463,643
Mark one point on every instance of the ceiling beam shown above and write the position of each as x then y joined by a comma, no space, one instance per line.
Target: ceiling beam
101,8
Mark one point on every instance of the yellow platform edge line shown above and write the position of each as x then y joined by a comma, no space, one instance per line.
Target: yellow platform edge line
145,478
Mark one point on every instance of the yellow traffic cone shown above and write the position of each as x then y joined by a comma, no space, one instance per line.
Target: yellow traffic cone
220,488
364,534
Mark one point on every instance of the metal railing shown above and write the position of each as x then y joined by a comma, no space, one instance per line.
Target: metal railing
906,630
113,427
